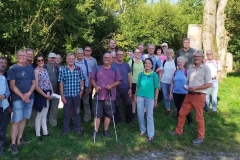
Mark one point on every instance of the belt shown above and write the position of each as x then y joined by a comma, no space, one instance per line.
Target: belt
195,93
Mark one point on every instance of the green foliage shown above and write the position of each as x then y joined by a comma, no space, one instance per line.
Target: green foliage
158,23
233,27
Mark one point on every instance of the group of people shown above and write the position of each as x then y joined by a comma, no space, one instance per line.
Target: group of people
35,88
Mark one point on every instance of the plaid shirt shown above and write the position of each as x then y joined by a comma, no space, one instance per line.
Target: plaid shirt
71,81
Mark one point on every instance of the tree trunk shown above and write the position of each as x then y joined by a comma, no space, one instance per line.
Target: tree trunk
214,33
209,25
221,35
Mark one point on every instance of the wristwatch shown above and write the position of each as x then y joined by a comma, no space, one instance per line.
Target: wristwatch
155,99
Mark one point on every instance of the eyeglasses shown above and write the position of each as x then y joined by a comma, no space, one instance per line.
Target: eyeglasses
40,60
197,56
137,52
88,50
164,46
106,57
114,57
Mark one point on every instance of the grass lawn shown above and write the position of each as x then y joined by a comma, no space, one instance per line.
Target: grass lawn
222,134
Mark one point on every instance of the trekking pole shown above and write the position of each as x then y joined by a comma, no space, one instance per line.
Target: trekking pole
110,94
95,119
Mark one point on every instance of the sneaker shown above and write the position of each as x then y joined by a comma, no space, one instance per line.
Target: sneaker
22,141
198,141
174,134
64,134
105,133
169,113
80,133
47,136
150,140
39,138
1,151
13,149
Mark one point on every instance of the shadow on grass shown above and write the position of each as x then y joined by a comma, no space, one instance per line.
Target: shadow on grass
222,135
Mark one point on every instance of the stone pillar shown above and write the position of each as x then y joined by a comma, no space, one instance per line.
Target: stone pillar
195,35
229,62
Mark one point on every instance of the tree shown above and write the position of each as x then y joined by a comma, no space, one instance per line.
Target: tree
214,33
233,27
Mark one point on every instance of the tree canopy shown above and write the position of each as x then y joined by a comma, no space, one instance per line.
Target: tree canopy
62,26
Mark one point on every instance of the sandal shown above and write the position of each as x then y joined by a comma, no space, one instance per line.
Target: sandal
142,133
150,140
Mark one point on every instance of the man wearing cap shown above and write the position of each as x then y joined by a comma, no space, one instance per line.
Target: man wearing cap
187,53
53,72
164,48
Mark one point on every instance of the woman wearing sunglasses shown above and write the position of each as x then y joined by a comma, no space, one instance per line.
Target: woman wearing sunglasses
42,97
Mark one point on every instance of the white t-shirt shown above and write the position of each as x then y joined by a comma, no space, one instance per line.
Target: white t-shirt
168,71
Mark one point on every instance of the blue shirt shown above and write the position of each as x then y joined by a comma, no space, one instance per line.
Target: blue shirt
4,89
180,80
71,81
84,70
156,61
23,76
92,63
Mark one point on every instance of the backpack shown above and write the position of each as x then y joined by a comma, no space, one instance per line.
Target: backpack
85,62
112,66
156,58
185,73
215,61
133,65
165,62
147,76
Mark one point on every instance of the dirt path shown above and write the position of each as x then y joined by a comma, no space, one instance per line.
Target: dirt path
181,155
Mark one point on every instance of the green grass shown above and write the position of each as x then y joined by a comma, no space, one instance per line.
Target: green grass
222,134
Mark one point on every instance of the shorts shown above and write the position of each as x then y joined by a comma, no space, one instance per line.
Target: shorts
21,110
104,108
134,86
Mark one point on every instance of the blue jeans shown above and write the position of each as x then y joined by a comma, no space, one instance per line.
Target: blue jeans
166,91
214,96
149,104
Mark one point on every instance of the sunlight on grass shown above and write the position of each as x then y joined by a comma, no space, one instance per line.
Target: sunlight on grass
222,134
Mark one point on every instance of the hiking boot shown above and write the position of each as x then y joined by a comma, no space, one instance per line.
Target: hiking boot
22,141
105,133
13,149
47,136
198,141
174,134
80,133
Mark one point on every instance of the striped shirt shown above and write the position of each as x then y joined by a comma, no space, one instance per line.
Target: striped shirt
71,81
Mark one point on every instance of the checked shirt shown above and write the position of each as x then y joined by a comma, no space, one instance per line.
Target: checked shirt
71,81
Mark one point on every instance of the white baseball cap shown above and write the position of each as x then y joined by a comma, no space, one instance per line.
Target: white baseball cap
164,44
52,55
